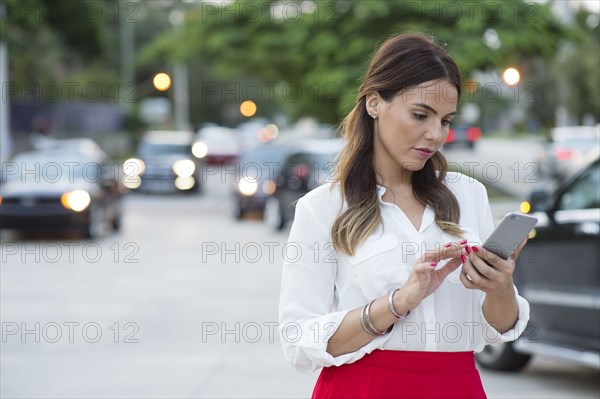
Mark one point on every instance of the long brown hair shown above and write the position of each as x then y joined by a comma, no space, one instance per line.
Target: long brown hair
402,62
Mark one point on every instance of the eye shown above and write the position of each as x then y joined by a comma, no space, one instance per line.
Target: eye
419,116
446,123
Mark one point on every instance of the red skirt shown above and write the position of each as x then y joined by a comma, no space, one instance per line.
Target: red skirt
403,374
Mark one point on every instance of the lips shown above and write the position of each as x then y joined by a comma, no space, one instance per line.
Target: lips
424,151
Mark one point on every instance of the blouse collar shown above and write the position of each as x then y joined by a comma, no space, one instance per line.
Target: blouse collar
428,215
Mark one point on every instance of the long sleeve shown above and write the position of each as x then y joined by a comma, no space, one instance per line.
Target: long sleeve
307,310
490,334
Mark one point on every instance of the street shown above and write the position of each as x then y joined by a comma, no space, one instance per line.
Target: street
181,303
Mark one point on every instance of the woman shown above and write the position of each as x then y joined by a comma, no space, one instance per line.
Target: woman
384,284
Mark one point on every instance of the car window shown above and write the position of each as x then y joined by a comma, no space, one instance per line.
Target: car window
264,159
149,149
261,165
584,193
296,167
53,170
298,158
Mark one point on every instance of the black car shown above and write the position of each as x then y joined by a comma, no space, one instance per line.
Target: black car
61,190
255,178
558,272
163,163
463,135
310,164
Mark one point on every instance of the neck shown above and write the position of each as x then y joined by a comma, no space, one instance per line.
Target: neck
392,175
395,184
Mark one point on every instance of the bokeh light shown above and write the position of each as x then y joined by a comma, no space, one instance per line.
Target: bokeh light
248,108
511,76
162,81
525,207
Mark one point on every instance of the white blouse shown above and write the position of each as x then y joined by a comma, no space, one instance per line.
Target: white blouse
320,286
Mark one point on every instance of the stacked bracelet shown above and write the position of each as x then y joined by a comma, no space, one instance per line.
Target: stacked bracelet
367,324
391,306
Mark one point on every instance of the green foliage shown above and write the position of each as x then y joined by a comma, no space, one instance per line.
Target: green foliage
77,24
325,47
306,58
55,42
578,69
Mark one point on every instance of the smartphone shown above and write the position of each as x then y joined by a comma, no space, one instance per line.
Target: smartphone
509,233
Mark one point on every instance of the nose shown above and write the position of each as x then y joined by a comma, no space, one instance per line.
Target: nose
435,131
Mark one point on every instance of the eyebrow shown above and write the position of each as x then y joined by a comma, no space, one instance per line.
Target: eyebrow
427,107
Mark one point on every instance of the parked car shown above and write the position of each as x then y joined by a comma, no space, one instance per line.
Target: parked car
557,272
463,135
54,190
567,149
216,145
77,145
255,180
163,163
310,164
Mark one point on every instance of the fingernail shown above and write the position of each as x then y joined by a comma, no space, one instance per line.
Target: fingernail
475,249
468,250
447,245
434,264
463,258
463,242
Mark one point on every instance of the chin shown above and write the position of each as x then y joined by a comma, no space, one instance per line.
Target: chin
413,166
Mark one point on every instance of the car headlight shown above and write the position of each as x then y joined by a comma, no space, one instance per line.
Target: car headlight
525,207
134,167
184,167
77,200
248,186
199,149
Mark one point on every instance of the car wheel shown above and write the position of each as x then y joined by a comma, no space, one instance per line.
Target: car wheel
502,358
239,212
117,220
273,214
95,226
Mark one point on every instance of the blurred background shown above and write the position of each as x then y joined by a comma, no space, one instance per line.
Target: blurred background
152,152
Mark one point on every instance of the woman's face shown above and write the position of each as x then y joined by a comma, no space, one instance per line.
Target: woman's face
412,126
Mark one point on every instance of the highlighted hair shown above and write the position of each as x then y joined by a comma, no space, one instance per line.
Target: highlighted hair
402,62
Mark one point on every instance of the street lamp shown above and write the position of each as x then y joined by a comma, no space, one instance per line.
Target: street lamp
248,108
511,76
161,81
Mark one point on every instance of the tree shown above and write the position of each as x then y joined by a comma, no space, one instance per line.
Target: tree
321,48
48,40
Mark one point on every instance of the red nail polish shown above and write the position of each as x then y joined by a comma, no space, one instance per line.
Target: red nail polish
463,242
447,245
468,250
463,258
434,264
475,249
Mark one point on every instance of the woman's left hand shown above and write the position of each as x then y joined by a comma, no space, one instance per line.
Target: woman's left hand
485,271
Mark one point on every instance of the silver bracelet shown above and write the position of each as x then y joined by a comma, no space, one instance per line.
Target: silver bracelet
369,323
391,306
362,321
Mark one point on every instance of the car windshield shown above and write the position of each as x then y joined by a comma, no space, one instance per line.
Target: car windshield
264,160
163,149
51,170
579,144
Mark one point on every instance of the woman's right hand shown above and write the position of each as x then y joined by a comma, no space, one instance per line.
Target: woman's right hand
425,279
